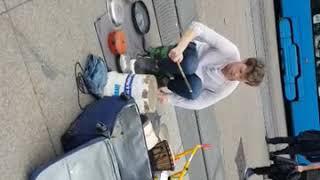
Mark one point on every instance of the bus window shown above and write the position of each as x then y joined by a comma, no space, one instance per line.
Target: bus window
316,33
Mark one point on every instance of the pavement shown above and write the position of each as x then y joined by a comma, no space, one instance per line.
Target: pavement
41,40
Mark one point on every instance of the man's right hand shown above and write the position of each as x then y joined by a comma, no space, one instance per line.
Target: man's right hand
162,97
176,54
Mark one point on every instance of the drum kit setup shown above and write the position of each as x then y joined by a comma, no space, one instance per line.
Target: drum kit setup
141,20
161,157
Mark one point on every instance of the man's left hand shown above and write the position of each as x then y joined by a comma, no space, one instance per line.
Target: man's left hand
300,168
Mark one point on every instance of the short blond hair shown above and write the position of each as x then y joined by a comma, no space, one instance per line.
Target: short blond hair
255,73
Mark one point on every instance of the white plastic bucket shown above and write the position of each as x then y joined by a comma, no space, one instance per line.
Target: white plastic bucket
143,88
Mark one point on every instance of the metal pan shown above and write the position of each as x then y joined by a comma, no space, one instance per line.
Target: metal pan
116,11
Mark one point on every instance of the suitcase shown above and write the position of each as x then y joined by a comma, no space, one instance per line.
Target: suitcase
94,160
96,120
121,155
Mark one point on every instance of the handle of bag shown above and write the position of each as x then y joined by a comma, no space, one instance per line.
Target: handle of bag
101,130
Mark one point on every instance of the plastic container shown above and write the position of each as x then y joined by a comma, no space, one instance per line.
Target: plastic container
143,88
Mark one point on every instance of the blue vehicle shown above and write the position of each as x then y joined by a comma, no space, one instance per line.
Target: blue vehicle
299,47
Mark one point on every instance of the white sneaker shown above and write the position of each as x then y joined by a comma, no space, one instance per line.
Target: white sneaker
126,64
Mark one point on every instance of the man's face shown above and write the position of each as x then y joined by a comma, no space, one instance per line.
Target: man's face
235,71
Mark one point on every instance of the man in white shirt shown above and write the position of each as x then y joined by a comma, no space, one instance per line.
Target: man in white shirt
213,67
211,63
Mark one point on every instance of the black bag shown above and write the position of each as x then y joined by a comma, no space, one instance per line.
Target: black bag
97,119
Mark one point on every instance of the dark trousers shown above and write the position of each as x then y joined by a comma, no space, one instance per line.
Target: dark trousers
271,171
291,149
282,140
276,171
262,170
189,65
281,169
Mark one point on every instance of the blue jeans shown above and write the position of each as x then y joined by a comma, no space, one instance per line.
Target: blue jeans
189,65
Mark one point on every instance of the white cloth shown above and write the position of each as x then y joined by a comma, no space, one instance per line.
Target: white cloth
214,52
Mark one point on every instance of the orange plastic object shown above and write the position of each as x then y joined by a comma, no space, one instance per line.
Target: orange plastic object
117,42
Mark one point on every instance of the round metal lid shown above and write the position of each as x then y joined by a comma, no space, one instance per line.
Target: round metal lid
116,11
140,17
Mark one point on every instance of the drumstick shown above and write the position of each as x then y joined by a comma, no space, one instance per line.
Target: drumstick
184,77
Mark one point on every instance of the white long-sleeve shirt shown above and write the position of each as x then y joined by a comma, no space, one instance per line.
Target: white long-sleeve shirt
214,52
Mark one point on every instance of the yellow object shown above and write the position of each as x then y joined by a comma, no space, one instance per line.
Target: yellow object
179,175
